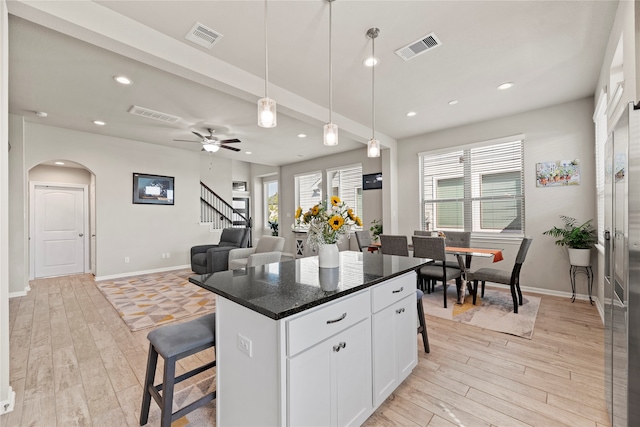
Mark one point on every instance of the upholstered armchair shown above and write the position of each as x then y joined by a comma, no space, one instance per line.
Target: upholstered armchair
268,250
207,259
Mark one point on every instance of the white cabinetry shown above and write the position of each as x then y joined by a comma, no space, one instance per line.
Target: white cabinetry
394,335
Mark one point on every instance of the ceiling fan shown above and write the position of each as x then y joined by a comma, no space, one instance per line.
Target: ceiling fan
211,143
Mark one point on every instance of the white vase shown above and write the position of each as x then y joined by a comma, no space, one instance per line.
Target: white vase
329,278
580,257
328,256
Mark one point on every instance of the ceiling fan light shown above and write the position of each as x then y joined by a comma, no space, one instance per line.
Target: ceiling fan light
330,134
373,148
211,148
267,113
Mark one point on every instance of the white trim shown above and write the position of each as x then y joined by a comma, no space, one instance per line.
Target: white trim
7,406
600,310
87,230
20,293
141,272
502,140
550,292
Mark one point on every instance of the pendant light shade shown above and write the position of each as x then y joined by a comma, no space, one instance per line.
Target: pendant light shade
373,145
266,106
330,129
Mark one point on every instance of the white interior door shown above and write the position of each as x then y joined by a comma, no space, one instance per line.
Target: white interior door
59,222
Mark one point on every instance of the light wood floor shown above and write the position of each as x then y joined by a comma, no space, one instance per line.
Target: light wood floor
74,362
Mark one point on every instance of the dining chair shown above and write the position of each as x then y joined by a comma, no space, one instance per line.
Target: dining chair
504,277
394,245
422,326
458,239
434,248
421,233
364,240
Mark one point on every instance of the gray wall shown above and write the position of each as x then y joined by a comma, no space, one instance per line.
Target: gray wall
561,132
371,199
124,229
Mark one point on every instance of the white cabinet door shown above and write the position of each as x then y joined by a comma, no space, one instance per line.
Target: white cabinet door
330,383
394,346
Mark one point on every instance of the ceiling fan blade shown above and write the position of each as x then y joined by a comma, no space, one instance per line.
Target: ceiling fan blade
230,148
229,141
198,134
186,140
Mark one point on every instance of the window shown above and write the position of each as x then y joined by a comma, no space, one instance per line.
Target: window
478,188
346,183
271,195
308,190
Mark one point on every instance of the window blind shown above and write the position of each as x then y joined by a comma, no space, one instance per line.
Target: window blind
478,189
347,185
309,190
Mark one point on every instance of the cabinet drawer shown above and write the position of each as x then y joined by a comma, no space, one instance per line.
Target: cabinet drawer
392,291
329,319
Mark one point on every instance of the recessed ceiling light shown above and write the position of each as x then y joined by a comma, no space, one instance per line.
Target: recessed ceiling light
99,122
411,113
59,163
302,135
123,80
506,85
247,152
453,102
370,62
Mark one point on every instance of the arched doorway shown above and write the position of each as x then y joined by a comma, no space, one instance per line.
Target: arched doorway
61,219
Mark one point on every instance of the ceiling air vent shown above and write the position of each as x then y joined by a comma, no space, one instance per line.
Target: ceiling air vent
203,36
155,115
418,47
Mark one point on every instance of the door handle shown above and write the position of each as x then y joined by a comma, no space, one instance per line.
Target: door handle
81,234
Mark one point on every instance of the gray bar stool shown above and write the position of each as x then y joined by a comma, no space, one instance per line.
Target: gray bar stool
174,342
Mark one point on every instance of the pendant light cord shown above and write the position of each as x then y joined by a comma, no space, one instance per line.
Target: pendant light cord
330,62
373,87
266,53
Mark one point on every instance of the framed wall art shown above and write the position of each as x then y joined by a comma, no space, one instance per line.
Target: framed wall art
558,174
152,189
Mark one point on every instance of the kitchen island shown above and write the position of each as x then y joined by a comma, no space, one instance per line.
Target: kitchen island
301,345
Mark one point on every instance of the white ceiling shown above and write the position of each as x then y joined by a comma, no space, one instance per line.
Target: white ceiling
551,50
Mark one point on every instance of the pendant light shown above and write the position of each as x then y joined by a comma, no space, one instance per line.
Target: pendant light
373,145
266,106
330,129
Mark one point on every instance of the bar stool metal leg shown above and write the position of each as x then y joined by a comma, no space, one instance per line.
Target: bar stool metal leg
152,362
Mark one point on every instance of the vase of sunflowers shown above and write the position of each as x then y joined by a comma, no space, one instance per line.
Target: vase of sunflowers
328,223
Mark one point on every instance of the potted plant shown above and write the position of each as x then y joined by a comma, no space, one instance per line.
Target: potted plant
579,239
376,229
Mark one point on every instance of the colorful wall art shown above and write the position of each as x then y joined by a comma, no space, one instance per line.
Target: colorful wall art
558,173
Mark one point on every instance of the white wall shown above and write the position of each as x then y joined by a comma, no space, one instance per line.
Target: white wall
18,211
215,173
371,199
124,229
47,173
561,132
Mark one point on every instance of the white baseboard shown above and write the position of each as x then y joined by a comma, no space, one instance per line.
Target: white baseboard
551,292
20,293
139,273
7,405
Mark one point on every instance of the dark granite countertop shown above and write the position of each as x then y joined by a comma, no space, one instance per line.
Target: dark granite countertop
280,290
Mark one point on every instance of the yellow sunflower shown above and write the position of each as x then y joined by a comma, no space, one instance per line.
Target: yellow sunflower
335,200
358,221
306,217
351,215
298,212
315,210
336,222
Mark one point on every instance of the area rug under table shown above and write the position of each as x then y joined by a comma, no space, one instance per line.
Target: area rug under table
494,311
155,299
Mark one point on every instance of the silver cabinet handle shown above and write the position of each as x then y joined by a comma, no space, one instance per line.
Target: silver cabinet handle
338,346
81,234
338,319
400,310
398,290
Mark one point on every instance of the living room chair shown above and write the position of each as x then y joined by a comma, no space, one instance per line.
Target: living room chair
434,248
268,250
394,245
364,240
504,277
206,259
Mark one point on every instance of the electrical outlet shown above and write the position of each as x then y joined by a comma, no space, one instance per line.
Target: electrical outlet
126,260
168,254
244,345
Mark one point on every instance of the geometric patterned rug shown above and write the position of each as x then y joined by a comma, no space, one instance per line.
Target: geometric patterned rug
494,311
155,299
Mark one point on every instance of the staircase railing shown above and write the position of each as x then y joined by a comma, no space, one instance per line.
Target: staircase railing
215,210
